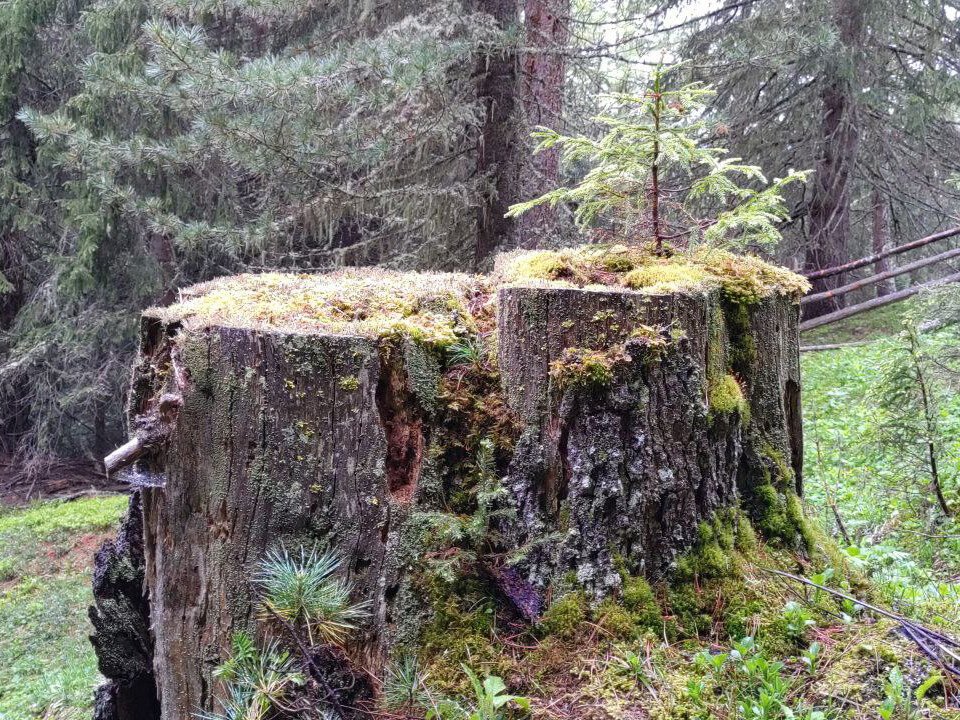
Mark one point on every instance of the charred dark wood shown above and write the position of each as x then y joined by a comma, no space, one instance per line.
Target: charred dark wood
121,620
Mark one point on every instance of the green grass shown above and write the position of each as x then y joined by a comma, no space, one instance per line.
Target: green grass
871,325
899,535
47,667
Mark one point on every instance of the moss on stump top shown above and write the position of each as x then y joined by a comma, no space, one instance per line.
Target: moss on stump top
438,307
745,278
369,302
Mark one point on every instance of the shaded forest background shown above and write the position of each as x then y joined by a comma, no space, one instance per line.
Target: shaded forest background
149,144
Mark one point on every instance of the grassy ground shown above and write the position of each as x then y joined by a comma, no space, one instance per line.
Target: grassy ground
47,667
875,492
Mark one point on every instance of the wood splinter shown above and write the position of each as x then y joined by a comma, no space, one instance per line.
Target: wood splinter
152,430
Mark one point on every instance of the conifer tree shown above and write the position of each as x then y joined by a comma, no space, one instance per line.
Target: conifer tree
863,92
650,174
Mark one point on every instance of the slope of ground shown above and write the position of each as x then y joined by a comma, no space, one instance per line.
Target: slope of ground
47,667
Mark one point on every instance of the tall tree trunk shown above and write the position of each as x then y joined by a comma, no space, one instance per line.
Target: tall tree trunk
881,240
497,143
840,141
542,75
521,94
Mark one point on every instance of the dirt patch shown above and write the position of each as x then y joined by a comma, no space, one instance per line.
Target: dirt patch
54,479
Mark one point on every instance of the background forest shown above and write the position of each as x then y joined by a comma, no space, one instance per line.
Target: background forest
146,145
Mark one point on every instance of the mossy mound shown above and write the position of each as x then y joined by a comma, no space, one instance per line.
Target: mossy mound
436,307
744,278
367,302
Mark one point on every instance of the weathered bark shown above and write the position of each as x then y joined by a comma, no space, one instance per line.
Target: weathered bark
521,93
296,439
840,139
497,151
281,439
121,620
542,76
631,470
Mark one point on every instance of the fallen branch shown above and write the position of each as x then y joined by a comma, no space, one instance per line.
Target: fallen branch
880,277
874,303
932,643
833,346
870,259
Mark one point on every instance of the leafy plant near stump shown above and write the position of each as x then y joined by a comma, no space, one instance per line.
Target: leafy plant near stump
654,177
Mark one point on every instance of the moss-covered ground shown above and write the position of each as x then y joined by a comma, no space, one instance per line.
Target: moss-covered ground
724,639
47,666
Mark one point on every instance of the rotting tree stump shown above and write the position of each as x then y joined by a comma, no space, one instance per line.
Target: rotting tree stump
300,410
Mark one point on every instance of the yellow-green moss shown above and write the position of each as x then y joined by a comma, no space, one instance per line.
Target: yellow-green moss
717,549
565,616
587,369
368,302
773,503
460,631
744,279
726,398
667,277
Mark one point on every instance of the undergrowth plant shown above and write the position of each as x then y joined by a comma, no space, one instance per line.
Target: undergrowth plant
406,689
745,680
259,681
300,593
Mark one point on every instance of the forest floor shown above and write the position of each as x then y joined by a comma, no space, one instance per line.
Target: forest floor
61,479
46,553
47,667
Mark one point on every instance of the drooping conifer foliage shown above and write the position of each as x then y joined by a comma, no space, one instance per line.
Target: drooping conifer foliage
158,143
861,91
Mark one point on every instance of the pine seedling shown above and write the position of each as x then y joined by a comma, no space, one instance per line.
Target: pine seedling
301,592
258,681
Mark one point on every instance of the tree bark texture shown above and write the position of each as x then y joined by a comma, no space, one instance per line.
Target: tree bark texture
829,206
521,92
296,439
881,241
542,75
497,152
632,470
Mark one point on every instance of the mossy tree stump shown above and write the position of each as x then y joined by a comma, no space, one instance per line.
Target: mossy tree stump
300,410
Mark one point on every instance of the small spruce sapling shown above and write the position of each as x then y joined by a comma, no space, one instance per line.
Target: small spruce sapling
909,396
653,176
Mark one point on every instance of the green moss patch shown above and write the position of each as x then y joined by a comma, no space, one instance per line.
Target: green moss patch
587,369
745,278
727,398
